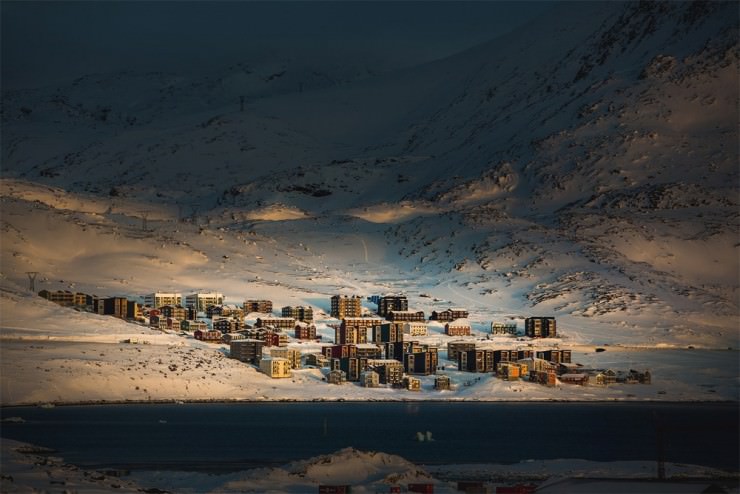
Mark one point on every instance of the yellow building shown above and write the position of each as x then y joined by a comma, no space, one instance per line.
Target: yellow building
276,367
292,355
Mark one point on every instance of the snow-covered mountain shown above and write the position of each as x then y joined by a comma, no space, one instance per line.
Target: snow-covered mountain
584,165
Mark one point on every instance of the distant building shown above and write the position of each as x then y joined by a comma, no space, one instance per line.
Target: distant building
209,335
390,303
354,329
546,377
229,310
394,350
292,355
159,299
174,324
406,316
503,328
455,347
133,310
510,371
201,301
271,338
193,325
478,360
275,367
336,377
352,366
305,331
537,364
420,359
317,360
226,325
65,298
557,356
458,327
339,351
606,377
299,313
415,329
249,350
228,338
343,306
368,351
412,383
449,314
347,334
370,379
387,332
579,379
442,382
286,323
174,311
389,371
261,306
116,307
540,327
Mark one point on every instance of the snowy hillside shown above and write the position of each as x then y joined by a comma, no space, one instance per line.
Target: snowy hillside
584,168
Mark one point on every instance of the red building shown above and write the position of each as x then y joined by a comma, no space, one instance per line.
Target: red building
339,351
423,488
459,327
211,335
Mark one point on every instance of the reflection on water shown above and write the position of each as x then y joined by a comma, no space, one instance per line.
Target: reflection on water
229,436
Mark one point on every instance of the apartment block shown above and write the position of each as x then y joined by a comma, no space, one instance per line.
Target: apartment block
449,314
261,306
200,301
282,323
305,331
299,313
343,306
292,355
458,327
406,316
455,347
249,350
540,327
275,367
159,299
390,303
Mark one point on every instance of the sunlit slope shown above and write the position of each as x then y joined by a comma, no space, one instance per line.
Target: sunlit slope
585,168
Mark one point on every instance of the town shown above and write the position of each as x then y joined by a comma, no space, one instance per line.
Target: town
385,349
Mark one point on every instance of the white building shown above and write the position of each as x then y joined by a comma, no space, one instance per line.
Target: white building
160,299
275,367
415,328
200,301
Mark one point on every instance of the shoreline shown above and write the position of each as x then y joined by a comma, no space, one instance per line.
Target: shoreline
343,400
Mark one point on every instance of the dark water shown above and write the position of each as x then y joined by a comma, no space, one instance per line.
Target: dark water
236,436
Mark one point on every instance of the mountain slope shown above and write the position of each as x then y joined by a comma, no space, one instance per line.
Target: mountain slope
585,168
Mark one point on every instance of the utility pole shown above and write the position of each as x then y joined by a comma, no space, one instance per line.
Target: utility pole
32,280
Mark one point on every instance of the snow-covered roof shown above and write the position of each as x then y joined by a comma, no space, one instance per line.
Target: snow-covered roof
460,322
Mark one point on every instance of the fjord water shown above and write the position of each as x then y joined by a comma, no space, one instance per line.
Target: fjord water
236,436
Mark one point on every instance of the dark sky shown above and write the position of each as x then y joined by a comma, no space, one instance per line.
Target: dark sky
49,42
